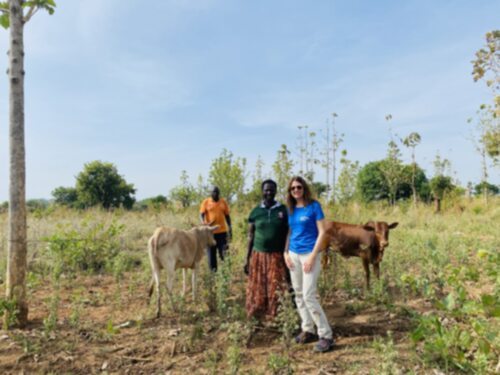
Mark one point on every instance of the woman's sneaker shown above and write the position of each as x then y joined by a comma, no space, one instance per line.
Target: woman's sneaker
323,345
306,337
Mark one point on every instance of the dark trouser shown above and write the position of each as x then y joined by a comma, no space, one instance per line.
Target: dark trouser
221,246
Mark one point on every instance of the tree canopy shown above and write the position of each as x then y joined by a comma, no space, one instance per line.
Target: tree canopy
372,184
228,173
100,184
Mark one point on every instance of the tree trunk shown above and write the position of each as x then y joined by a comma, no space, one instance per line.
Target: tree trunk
485,175
413,187
17,247
437,204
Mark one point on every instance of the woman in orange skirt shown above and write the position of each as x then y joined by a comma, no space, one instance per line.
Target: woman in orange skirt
265,265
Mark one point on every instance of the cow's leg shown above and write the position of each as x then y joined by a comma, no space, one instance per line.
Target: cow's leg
150,289
325,259
335,267
170,284
376,269
193,282
184,282
366,266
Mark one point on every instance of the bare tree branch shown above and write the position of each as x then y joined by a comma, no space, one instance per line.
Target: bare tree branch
31,12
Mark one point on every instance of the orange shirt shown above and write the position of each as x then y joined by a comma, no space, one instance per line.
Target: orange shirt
215,212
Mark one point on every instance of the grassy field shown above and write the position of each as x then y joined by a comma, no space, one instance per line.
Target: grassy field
435,308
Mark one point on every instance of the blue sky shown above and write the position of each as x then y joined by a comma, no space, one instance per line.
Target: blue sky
161,87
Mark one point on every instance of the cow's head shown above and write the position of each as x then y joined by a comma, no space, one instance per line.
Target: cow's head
208,230
381,229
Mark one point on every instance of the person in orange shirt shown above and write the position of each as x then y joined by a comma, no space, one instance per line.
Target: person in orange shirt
215,211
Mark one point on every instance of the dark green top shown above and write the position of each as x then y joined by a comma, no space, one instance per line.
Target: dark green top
271,228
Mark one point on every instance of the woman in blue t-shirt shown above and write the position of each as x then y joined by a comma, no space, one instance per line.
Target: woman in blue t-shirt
306,221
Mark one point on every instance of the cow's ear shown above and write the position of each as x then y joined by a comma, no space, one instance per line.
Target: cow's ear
215,227
368,228
393,225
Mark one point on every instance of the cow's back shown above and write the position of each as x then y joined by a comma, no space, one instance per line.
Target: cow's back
175,246
350,239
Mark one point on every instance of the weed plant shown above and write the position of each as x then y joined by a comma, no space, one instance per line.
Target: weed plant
387,354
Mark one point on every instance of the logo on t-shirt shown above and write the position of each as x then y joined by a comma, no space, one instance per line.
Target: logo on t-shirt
303,218
280,215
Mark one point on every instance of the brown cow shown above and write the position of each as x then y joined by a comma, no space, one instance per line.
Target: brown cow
365,241
171,249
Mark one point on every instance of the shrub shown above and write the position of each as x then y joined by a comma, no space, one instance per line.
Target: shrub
89,249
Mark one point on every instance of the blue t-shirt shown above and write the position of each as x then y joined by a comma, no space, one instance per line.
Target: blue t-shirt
304,229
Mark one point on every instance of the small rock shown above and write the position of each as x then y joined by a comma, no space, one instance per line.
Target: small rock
104,365
127,324
173,332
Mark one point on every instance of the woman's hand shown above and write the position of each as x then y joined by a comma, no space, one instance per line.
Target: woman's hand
309,263
288,261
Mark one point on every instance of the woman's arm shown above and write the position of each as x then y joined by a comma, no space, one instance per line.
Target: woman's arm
251,236
288,261
309,263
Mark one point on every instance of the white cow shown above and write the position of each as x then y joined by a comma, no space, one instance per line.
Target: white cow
171,249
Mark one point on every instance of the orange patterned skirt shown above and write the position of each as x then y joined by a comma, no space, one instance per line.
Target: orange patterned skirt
267,280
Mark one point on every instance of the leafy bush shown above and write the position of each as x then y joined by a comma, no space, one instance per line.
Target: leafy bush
90,248
462,334
8,307
371,184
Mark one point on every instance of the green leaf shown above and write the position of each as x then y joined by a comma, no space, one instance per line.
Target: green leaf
4,21
488,299
484,346
449,302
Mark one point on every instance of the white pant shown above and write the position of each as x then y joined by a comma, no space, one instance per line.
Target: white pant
304,285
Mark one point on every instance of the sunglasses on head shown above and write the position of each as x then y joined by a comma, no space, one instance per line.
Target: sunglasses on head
296,187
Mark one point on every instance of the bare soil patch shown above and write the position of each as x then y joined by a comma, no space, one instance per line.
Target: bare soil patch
115,333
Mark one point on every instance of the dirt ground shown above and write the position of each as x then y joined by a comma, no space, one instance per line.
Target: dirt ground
115,332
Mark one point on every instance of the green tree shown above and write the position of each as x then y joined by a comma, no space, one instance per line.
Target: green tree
16,14
184,193
370,183
156,203
99,184
332,141
486,139
346,183
392,170
441,183
420,185
411,141
37,204
201,188
282,169
486,66
492,189
255,193
65,196
228,173
319,188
